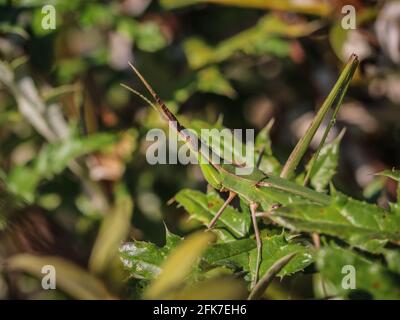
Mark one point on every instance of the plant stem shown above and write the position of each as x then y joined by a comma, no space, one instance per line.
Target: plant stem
338,90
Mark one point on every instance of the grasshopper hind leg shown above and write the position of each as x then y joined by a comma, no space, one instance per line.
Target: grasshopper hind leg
253,208
232,195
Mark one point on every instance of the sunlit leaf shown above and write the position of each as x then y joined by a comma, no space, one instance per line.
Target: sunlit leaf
220,253
242,254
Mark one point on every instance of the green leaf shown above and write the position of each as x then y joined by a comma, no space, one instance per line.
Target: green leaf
268,36
220,253
149,37
54,158
144,259
360,224
211,80
95,15
179,264
198,53
324,167
371,276
203,208
23,181
243,254
392,258
208,80
277,247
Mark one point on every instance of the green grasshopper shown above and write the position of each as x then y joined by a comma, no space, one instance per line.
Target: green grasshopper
259,190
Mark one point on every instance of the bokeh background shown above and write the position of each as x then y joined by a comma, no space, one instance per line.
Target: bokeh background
241,62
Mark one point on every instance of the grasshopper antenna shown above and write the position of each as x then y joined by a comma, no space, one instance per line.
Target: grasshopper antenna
145,99
163,108
173,122
147,85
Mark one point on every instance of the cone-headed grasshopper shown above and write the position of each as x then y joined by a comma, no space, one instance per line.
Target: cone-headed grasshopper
260,190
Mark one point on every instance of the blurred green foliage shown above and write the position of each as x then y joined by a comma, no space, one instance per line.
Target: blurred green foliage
76,190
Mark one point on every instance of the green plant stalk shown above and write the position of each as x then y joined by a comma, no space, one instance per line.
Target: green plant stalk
327,130
338,90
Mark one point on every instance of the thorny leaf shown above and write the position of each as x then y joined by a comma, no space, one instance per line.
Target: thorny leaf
203,208
277,247
144,259
242,254
179,265
360,224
